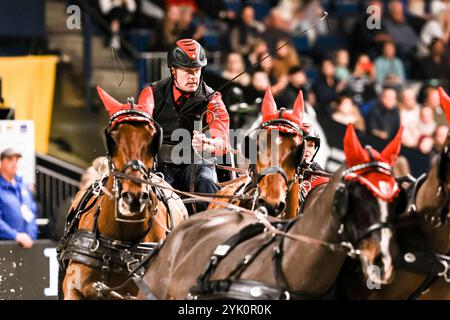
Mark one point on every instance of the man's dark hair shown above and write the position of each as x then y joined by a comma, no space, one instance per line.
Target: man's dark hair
294,69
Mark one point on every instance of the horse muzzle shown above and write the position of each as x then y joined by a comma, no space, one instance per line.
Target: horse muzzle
272,209
131,203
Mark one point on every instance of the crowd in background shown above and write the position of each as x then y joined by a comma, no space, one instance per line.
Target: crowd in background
378,78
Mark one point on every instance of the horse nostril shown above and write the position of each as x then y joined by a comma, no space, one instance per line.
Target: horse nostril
261,202
126,196
281,207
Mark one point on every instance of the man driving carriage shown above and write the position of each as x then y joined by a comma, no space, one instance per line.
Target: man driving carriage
309,166
182,100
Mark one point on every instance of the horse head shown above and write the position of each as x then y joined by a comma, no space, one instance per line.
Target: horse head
132,139
280,148
369,199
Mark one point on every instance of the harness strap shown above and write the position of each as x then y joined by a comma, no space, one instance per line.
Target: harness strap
424,262
224,249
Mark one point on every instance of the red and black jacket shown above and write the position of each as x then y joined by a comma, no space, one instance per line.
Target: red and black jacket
171,116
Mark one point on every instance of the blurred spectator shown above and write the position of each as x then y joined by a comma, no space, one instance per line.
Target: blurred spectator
148,14
347,112
189,28
257,50
191,4
436,28
360,84
327,88
425,144
401,167
17,206
440,136
259,83
286,58
297,81
342,65
403,35
436,65
389,68
244,35
276,28
235,66
427,125
366,37
409,118
266,64
432,100
168,29
117,12
216,9
438,5
310,11
383,119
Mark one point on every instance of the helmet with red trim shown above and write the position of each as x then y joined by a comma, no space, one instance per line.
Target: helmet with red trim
186,53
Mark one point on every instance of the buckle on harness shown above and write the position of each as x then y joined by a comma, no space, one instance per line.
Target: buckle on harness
221,250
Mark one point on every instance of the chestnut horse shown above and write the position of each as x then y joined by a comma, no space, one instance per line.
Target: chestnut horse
273,181
111,219
422,232
206,258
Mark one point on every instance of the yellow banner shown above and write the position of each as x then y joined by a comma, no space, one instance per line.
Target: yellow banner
29,87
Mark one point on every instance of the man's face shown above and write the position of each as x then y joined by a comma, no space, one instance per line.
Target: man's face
310,149
409,99
187,79
248,15
389,99
396,11
9,165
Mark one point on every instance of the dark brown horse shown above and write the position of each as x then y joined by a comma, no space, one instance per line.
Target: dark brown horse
422,232
206,257
272,182
111,218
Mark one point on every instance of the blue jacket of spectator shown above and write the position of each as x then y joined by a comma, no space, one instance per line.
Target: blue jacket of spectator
12,220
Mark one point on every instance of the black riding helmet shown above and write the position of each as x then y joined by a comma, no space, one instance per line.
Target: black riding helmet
312,135
186,53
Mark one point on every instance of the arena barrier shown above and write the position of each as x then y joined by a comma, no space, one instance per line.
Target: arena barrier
28,273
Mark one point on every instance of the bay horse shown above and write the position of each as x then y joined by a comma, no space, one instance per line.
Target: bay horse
111,219
423,235
228,254
271,181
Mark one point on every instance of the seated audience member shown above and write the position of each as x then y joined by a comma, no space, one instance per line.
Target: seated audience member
437,64
433,101
360,84
297,81
427,125
409,118
389,68
117,13
17,206
342,65
327,88
425,144
347,112
235,66
383,119
245,34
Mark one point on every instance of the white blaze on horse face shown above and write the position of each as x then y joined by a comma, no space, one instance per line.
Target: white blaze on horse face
386,236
